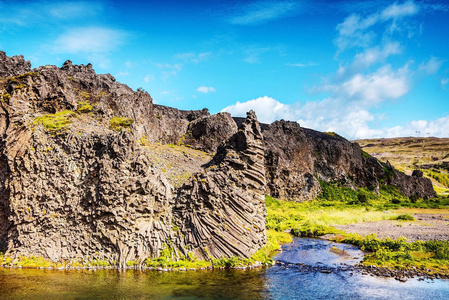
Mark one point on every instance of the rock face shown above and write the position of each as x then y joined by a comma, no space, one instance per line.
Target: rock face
298,157
207,132
13,66
73,187
171,123
222,210
289,163
76,182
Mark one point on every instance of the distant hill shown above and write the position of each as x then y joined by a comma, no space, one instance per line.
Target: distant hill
410,153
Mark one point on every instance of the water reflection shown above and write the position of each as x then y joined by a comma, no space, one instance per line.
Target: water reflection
289,281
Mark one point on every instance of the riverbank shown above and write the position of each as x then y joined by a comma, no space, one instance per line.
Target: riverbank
429,224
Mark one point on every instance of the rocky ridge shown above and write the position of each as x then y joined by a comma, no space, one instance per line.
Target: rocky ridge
77,183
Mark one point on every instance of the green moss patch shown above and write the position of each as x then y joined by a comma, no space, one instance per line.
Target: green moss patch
55,122
119,123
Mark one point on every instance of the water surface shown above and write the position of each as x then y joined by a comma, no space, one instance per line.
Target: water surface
311,269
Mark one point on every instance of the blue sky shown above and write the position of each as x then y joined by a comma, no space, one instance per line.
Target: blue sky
359,68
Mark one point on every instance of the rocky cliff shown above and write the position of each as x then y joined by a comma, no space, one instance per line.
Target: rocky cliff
77,185
78,182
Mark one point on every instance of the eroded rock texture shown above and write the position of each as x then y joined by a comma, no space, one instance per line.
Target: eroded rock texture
207,132
76,189
222,210
289,163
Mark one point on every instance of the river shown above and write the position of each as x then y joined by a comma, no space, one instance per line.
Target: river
307,269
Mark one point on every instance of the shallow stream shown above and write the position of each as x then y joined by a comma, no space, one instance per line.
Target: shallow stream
306,269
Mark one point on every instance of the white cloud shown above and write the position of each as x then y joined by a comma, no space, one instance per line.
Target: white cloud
436,128
431,66
35,12
373,55
169,70
76,9
206,89
396,10
373,88
302,65
335,114
354,31
148,78
122,74
89,40
252,54
193,57
262,11
267,109
444,82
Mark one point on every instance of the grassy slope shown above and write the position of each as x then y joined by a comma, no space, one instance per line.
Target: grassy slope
408,154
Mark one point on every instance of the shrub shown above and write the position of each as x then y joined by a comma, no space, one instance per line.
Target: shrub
118,123
395,201
405,217
84,107
55,122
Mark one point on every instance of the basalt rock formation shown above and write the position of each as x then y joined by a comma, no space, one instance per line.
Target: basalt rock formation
230,192
76,184
77,181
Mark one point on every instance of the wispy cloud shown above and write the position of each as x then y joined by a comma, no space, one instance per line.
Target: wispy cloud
262,12
444,82
49,12
193,57
74,10
206,89
119,74
364,82
355,31
169,70
431,66
302,65
148,78
89,40
253,54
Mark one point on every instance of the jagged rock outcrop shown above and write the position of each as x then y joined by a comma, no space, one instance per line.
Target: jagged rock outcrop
221,211
207,132
13,66
73,187
296,158
90,195
76,182
289,163
415,185
171,123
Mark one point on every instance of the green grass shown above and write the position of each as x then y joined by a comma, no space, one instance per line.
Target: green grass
339,206
400,254
55,122
442,178
119,123
84,107
315,218
167,258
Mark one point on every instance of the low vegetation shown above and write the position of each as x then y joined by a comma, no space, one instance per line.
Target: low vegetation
55,122
339,206
120,123
431,256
